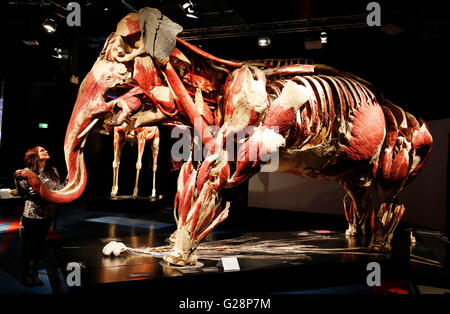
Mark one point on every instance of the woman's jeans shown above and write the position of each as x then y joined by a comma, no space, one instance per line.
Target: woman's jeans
34,234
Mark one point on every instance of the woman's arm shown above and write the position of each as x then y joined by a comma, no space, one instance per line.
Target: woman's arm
25,190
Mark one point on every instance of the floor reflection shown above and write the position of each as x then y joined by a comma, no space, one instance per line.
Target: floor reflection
257,247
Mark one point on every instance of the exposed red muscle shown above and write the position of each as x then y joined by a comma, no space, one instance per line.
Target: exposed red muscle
391,128
290,69
199,80
187,104
208,55
315,122
234,88
146,77
133,26
281,117
363,142
329,104
399,169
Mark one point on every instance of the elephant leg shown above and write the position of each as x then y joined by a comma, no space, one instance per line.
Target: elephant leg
384,223
356,207
155,149
197,201
198,206
118,145
172,237
392,175
141,146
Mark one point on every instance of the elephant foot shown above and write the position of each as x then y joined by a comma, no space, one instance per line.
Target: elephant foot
176,258
379,246
183,251
356,221
353,231
383,225
172,237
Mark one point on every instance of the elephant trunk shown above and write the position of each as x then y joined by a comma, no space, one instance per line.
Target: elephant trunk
73,146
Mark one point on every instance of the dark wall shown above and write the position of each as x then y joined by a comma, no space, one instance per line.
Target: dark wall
99,158
28,101
409,69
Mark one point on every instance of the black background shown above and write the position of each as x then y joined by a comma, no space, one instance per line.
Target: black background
410,69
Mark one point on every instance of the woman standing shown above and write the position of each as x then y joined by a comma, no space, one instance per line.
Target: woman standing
37,214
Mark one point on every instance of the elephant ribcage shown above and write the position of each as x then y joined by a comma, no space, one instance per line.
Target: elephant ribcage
334,99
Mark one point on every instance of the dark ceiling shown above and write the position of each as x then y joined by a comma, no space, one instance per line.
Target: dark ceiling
406,58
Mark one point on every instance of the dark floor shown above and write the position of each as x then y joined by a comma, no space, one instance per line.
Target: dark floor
296,253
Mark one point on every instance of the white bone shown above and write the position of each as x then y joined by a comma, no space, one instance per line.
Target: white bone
119,248
114,248
107,250
88,128
294,95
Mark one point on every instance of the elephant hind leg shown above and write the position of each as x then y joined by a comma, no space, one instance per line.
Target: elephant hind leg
356,207
383,224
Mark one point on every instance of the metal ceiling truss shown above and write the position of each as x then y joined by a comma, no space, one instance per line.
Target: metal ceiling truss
295,26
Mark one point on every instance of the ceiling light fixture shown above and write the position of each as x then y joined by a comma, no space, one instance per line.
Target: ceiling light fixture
263,41
188,8
49,25
57,53
323,37
192,16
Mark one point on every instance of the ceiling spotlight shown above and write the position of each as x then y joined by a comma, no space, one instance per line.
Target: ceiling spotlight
188,8
264,41
192,16
57,53
323,37
106,9
49,25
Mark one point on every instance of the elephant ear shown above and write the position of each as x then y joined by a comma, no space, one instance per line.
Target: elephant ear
159,33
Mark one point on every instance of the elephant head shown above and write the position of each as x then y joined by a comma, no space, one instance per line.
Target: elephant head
112,91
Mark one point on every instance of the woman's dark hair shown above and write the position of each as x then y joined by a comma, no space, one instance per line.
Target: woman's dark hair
31,160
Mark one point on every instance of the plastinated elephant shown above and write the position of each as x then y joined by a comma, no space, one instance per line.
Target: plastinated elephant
313,120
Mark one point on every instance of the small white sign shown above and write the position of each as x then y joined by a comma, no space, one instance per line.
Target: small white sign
230,264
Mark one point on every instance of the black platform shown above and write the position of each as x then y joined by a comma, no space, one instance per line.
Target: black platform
281,255
126,203
270,263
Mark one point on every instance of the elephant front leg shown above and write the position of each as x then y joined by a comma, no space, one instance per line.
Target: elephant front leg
202,218
198,203
198,206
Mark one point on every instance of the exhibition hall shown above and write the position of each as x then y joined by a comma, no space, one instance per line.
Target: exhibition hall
224,155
